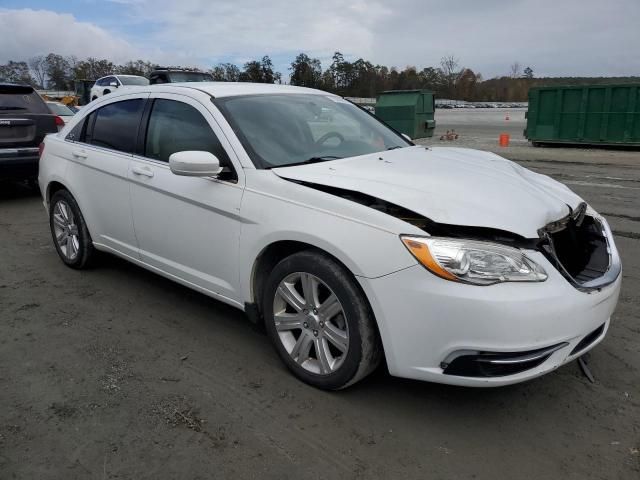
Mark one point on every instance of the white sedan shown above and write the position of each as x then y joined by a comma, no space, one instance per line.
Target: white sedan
349,243
111,83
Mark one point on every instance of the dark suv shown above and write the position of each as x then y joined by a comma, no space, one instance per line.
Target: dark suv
175,75
24,121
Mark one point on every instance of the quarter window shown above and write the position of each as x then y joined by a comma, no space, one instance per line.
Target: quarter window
176,127
116,125
75,135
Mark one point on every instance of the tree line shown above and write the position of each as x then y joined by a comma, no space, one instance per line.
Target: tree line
359,78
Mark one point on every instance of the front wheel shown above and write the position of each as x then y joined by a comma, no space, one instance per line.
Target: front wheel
320,322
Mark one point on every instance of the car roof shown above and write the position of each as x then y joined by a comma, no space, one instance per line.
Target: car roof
227,89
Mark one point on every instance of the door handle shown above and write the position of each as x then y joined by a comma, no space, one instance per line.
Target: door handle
145,171
79,154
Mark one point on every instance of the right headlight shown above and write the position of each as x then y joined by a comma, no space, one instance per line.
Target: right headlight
473,261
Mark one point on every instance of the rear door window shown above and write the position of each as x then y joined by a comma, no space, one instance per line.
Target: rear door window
115,126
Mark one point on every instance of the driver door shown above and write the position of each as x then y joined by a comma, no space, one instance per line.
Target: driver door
187,227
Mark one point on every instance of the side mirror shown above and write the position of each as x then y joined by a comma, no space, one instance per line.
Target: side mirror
407,137
194,163
114,84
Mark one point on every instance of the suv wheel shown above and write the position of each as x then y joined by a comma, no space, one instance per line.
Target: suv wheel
69,231
320,322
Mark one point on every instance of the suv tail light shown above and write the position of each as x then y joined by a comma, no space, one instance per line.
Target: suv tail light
40,149
59,122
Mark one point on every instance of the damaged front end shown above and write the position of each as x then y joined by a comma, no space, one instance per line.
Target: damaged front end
579,245
581,248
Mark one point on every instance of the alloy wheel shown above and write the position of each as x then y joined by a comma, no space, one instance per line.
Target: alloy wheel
310,323
66,230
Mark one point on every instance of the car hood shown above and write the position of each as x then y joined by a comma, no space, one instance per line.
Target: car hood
456,186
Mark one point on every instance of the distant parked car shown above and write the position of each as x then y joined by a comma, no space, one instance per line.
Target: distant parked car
110,83
176,75
24,121
60,109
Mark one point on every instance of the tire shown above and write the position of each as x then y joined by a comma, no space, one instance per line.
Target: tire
69,231
349,340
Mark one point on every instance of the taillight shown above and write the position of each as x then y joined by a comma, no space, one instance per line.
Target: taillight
40,149
59,122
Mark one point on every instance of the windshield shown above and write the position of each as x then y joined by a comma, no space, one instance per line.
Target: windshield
141,81
177,77
280,130
60,109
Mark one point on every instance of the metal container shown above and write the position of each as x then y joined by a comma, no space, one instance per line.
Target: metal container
584,114
408,111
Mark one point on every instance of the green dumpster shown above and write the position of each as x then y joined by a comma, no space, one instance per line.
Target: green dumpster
584,114
408,111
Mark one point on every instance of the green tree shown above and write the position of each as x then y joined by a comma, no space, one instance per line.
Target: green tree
92,69
252,72
226,72
268,74
306,71
16,72
137,67
260,71
38,69
58,72
528,72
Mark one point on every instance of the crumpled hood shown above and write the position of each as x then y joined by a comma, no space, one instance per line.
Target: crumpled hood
455,186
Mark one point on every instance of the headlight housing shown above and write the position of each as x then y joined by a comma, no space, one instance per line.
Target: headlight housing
473,261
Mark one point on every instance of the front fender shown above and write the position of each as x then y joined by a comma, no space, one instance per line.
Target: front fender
367,251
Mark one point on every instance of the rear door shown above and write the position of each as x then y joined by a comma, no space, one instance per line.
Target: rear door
101,149
188,227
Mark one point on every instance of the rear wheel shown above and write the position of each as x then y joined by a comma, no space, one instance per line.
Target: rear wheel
320,322
69,231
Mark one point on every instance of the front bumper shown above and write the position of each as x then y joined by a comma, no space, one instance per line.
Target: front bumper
425,320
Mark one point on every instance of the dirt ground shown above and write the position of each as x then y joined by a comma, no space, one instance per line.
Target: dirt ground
118,373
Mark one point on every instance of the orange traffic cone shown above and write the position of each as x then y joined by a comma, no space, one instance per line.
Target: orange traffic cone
507,117
503,140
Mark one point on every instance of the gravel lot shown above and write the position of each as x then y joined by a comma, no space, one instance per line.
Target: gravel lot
118,373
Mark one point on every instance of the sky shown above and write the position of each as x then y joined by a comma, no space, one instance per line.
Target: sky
553,37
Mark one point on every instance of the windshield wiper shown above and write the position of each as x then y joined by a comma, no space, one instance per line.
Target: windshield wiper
308,161
394,147
2,107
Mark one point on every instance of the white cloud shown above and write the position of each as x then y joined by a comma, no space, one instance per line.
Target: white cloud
567,37
27,32
242,28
